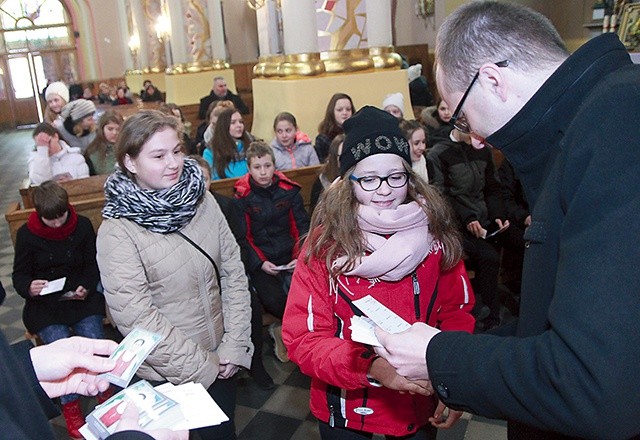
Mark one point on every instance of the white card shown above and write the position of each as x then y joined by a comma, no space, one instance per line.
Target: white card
54,286
381,315
363,331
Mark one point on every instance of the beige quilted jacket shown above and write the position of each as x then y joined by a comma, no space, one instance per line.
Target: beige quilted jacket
161,283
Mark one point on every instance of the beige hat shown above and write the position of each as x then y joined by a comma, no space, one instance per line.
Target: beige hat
78,109
57,88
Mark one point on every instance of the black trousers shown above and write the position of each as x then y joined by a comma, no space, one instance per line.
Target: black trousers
223,392
271,291
427,432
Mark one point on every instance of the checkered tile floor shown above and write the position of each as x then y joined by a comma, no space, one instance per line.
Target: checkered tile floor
279,414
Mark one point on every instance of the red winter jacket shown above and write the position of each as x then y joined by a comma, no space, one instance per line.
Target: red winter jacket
315,329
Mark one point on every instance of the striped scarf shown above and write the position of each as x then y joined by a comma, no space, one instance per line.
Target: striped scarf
163,211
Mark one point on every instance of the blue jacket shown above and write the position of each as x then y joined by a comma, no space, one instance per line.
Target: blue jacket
571,369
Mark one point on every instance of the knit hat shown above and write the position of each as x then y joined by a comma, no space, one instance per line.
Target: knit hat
394,99
57,88
414,72
371,131
78,110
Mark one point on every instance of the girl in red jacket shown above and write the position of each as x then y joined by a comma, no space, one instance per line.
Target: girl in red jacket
382,233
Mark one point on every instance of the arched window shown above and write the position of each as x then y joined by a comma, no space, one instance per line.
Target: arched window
37,44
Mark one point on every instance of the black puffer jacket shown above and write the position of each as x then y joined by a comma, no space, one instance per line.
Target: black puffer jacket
273,218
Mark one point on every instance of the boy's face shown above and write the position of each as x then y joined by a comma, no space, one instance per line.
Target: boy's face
261,170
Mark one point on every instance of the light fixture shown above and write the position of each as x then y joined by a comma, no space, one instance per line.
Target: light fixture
134,43
256,4
425,8
163,27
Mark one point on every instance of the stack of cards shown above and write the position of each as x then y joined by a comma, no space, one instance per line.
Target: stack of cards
133,349
156,410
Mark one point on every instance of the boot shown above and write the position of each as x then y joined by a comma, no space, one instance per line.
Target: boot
73,417
275,330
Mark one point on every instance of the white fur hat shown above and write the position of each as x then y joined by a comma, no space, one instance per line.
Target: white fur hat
414,71
394,99
57,88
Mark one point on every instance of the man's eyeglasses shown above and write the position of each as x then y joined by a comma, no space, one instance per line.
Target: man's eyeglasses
372,183
458,120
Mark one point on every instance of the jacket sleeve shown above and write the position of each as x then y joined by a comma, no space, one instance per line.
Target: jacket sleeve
254,256
301,220
457,300
89,274
176,358
39,166
515,203
577,376
240,105
236,343
313,156
309,331
438,177
79,169
493,191
22,264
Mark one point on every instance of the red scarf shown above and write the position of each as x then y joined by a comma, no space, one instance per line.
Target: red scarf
37,227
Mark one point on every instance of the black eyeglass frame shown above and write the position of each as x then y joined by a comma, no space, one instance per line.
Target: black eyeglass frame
380,180
458,120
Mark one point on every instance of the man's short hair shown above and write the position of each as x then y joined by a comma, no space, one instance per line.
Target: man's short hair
45,127
259,149
219,78
50,200
491,31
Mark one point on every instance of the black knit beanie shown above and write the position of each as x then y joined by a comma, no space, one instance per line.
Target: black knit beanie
371,131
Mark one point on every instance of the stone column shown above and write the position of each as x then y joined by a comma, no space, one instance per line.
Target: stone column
269,38
216,28
140,24
299,26
126,29
178,39
379,23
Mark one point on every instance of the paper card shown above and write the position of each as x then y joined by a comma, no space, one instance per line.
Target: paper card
54,286
198,407
130,354
289,266
362,330
381,315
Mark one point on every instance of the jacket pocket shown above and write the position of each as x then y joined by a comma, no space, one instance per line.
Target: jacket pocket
536,233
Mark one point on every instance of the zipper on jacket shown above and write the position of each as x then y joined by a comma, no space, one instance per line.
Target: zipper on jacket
332,421
416,294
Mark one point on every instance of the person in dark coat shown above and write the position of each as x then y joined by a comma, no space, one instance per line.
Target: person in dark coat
273,219
220,92
55,244
568,124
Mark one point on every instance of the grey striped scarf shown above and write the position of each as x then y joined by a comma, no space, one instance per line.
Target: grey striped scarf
163,211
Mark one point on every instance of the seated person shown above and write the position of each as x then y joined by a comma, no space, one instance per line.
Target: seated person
121,97
418,87
173,109
291,147
329,171
76,124
394,104
339,109
220,92
436,120
57,243
57,96
53,158
274,219
226,154
151,94
204,132
100,154
466,176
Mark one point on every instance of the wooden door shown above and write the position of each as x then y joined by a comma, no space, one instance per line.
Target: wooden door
23,92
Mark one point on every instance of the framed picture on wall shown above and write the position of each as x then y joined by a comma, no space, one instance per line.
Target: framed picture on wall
629,31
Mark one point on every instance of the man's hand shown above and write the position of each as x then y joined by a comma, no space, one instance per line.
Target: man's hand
383,372
70,365
444,417
269,268
129,422
407,351
476,229
81,292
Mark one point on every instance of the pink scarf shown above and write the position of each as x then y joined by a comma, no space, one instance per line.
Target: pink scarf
395,257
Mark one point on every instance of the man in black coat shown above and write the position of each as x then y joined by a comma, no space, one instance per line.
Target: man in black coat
220,92
569,125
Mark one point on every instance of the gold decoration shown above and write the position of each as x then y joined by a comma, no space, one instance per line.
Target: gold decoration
301,64
385,58
354,60
268,66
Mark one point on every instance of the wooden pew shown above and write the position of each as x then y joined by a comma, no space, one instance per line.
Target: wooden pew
87,196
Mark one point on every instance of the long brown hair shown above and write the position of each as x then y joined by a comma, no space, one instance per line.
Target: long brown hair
335,230
223,146
100,143
331,168
329,127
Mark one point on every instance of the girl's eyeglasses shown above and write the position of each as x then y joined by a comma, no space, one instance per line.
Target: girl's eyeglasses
372,183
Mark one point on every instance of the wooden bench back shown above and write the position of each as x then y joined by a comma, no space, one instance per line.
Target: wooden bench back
87,196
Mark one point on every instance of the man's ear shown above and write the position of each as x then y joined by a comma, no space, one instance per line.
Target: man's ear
493,78
129,164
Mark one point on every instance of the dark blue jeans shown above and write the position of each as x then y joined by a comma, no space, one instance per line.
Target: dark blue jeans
89,327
